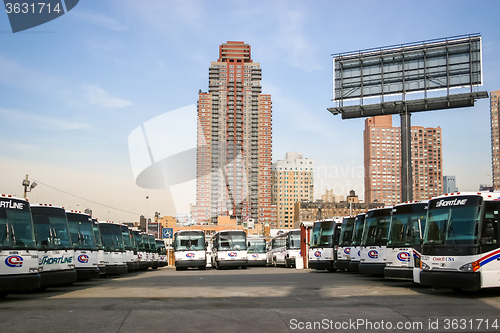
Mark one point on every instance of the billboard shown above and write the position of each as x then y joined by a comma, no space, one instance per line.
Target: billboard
409,68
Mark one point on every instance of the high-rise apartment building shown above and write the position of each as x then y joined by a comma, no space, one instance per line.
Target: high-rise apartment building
293,180
495,145
234,145
382,159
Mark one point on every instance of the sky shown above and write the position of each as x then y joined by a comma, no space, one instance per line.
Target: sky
75,91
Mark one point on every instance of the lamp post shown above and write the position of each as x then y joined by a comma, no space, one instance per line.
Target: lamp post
147,222
26,184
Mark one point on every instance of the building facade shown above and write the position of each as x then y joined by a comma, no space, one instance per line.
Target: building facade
449,184
382,161
495,145
234,141
293,181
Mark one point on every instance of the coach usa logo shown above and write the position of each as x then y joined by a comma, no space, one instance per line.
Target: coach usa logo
26,14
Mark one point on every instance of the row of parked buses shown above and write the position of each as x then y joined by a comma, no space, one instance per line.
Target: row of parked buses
43,245
232,248
449,241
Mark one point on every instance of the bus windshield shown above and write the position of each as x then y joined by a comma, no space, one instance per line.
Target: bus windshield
346,232
294,240
232,241
112,237
452,225
152,243
160,247
127,238
376,228
189,241
359,224
16,230
256,246
81,230
51,228
322,234
406,225
97,235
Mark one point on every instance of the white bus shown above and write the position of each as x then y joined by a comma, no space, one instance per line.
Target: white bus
461,245
355,252
114,249
229,249
100,247
345,241
373,252
324,242
161,251
55,250
18,250
129,244
190,249
256,249
86,255
404,241
285,248
140,250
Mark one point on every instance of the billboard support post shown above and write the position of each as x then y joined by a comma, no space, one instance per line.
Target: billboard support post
406,167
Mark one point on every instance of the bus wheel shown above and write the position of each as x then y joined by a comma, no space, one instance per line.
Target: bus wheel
331,270
203,267
3,294
244,267
178,268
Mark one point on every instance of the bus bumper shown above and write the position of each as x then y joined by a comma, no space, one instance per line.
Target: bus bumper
398,273
468,280
232,263
255,263
87,273
102,270
143,265
116,269
342,264
354,265
190,263
371,268
321,264
132,266
18,282
60,277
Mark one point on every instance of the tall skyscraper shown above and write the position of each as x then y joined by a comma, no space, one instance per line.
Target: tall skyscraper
495,145
382,161
293,180
449,184
234,149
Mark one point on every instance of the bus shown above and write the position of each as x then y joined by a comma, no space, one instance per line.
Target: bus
345,240
86,255
323,246
190,249
100,247
359,225
129,244
140,250
404,241
55,249
285,248
256,250
229,249
373,251
153,254
114,248
161,251
18,250
461,244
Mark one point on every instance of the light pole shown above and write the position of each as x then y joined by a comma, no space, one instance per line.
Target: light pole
26,184
147,222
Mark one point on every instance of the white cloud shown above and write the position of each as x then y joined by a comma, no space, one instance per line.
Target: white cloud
36,121
101,97
101,20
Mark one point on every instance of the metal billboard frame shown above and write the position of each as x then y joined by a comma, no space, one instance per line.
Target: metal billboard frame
420,67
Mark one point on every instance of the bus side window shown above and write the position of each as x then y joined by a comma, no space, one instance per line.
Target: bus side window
489,232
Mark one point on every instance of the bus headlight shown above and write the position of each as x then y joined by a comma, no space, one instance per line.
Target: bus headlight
470,267
424,266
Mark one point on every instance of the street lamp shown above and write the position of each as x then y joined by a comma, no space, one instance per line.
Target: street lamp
147,222
26,184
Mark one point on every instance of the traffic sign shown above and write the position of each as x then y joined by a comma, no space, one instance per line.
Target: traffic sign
167,232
